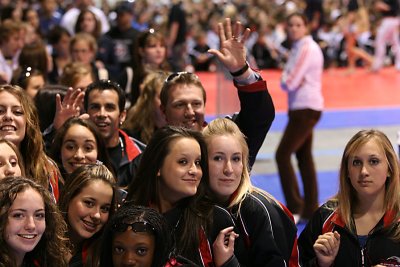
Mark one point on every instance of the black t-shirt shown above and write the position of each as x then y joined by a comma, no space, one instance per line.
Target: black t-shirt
177,14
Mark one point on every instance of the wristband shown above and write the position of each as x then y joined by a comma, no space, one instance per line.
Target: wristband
241,71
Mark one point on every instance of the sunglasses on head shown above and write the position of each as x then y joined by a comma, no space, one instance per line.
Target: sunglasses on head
137,227
178,74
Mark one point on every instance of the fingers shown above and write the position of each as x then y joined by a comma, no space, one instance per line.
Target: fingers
58,102
246,35
221,33
327,243
237,29
228,28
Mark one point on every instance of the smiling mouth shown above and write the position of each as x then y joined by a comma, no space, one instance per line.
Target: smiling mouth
102,124
89,226
8,128
27,236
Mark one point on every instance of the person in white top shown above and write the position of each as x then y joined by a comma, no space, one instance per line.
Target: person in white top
68,20
301,79
11,43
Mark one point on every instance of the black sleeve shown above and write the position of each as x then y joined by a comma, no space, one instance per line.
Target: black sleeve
255,118
307,239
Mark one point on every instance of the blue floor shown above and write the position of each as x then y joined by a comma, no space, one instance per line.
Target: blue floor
327,187
344,118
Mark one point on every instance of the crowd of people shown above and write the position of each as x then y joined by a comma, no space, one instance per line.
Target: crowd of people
106,158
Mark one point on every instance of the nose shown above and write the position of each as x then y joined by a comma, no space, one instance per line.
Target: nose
95,213
364,170
189,110
102,112
128,259
228,170
193,169
79,155
7,115
9,170
29,223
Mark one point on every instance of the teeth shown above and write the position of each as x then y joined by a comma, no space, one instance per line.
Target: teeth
28,236
8,128
101,124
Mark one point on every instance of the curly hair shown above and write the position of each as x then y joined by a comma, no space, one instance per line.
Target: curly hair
51,249
127,214
37,165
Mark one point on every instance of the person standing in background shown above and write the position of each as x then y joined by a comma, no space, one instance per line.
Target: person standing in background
301,79
177,36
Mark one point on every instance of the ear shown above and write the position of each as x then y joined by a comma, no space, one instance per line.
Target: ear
122,116
158,173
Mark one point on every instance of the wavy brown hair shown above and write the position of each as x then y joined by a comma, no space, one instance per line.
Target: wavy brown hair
37,164
51,249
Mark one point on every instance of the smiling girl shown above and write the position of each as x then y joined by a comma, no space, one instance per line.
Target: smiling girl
78,143
31,225
87,201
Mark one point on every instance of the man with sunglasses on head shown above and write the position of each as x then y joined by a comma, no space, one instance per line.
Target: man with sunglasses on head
183,96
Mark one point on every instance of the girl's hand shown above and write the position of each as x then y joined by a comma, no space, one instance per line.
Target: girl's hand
326,248
223,246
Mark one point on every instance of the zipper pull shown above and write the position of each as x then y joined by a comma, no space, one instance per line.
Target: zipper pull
362,257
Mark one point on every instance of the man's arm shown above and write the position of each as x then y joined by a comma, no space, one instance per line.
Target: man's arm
257,110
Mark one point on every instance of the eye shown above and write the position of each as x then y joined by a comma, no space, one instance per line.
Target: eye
111,107
197,104
18,112
217,158
13,163
94,107
105,209
179,105
374,161
70,146
357,162
89,203
197,162
142,251
183,161
237,159
118,250
40,216
89,148
18,215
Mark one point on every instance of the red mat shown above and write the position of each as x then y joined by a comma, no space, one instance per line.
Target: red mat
361,89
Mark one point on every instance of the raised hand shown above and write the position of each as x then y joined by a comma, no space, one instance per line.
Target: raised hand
69,107
223,246
232,52
326,248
